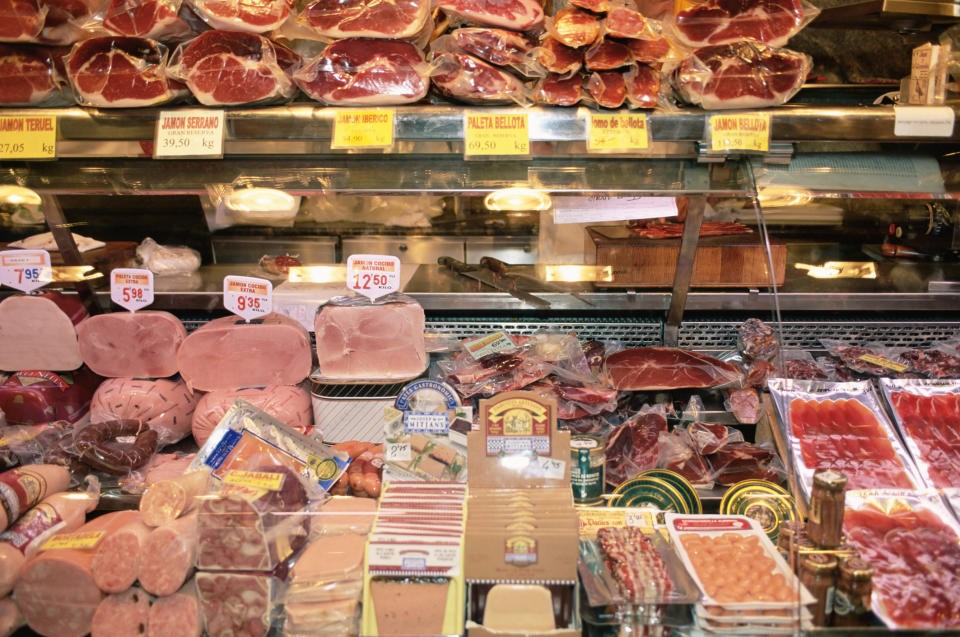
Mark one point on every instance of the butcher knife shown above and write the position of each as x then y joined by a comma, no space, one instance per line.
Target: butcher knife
499,267
489,278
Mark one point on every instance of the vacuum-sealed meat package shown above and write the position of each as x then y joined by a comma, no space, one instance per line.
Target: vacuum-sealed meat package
32,397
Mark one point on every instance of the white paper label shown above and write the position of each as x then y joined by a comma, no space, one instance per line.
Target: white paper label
923,121
193,133
130,288
247,297
25,270
489,344
552,468
373,275
396,452
596,208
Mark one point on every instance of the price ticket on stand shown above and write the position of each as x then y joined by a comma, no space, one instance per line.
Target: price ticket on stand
25,270
373,275
247,297
28,137
130,288
496,134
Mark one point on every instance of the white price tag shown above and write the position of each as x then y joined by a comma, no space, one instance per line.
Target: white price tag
25,270
247,297
373,275
595,208
552,468
192,133
130,288
923,121
396,452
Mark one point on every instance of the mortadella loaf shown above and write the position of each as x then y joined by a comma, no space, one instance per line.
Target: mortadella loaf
132,344
165,405
288,404
39,332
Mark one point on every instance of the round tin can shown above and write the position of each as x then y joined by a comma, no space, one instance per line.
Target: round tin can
587,460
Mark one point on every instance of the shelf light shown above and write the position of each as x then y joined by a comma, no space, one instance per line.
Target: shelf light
318,274
578,273
524,199
18,195
261,200
840,270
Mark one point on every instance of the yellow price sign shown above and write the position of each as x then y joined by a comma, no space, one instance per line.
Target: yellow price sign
744,131
28,137
367,128
497,134
256,479
617,131
83,540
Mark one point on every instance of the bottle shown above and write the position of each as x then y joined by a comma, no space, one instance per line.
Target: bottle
851,602
827,500
818,572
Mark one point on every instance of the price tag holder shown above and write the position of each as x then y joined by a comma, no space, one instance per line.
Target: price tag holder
739,132
190,133
362,129
248,297
617,132
496,134
130,288
28,137
25,270
596,208
923,121
373,275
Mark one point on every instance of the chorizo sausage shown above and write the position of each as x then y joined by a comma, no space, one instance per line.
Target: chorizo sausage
93,443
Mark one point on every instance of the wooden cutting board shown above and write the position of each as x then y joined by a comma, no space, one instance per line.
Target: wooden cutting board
721,262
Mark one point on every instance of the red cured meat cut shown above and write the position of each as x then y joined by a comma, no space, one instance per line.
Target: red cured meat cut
758,372
643,86
655,368
469,79
233,67
635,563
916,561
708,438
846,436
623,22
634,447
155,19
121,72
606,54
933,422
726,21
21,20
518,15
932,363
575,28
54,22
362,71
560,91
597,6
741,75
559,58
675,454
652,51
496,46
740,461
608,88
745,405
28,76
400,19
253,16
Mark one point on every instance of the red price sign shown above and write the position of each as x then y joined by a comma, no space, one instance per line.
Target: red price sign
373,275
130,288
247,297
25,270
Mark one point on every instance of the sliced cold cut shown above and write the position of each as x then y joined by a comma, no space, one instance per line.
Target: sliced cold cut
234,604
132,344
166,406
289,404
370,343
56,591
124,614
167,500
656,368
228,353
176,615
167,556
38,332
117,558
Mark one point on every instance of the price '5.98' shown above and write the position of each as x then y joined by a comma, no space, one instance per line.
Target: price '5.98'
245,303
131,294
369,281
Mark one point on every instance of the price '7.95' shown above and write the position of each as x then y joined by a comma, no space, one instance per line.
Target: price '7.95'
369,281
27,274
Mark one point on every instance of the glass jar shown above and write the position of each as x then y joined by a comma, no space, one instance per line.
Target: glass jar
818,572
825,523
851,602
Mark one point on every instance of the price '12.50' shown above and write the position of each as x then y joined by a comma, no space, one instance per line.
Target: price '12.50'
365,281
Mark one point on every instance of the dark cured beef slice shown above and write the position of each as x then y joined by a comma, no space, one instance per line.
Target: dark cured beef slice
643,86
26,74
559,58
608,88
560,91
606,54
496,46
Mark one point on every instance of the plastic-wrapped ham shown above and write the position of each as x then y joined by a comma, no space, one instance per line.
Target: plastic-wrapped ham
38,332
558,90
518,15
157,19
33,397
29,76
469,79
395,20
55,22
656,368
132,344
772,22
164,405
253,16
363,342
363,71
290,405
229,353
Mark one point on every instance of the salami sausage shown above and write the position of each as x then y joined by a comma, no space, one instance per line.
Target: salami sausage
235,604
91,443
167,556
176,615
132,344
165,405
288,404
122,615
56,592
116,558
23,487
167,500
37,332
